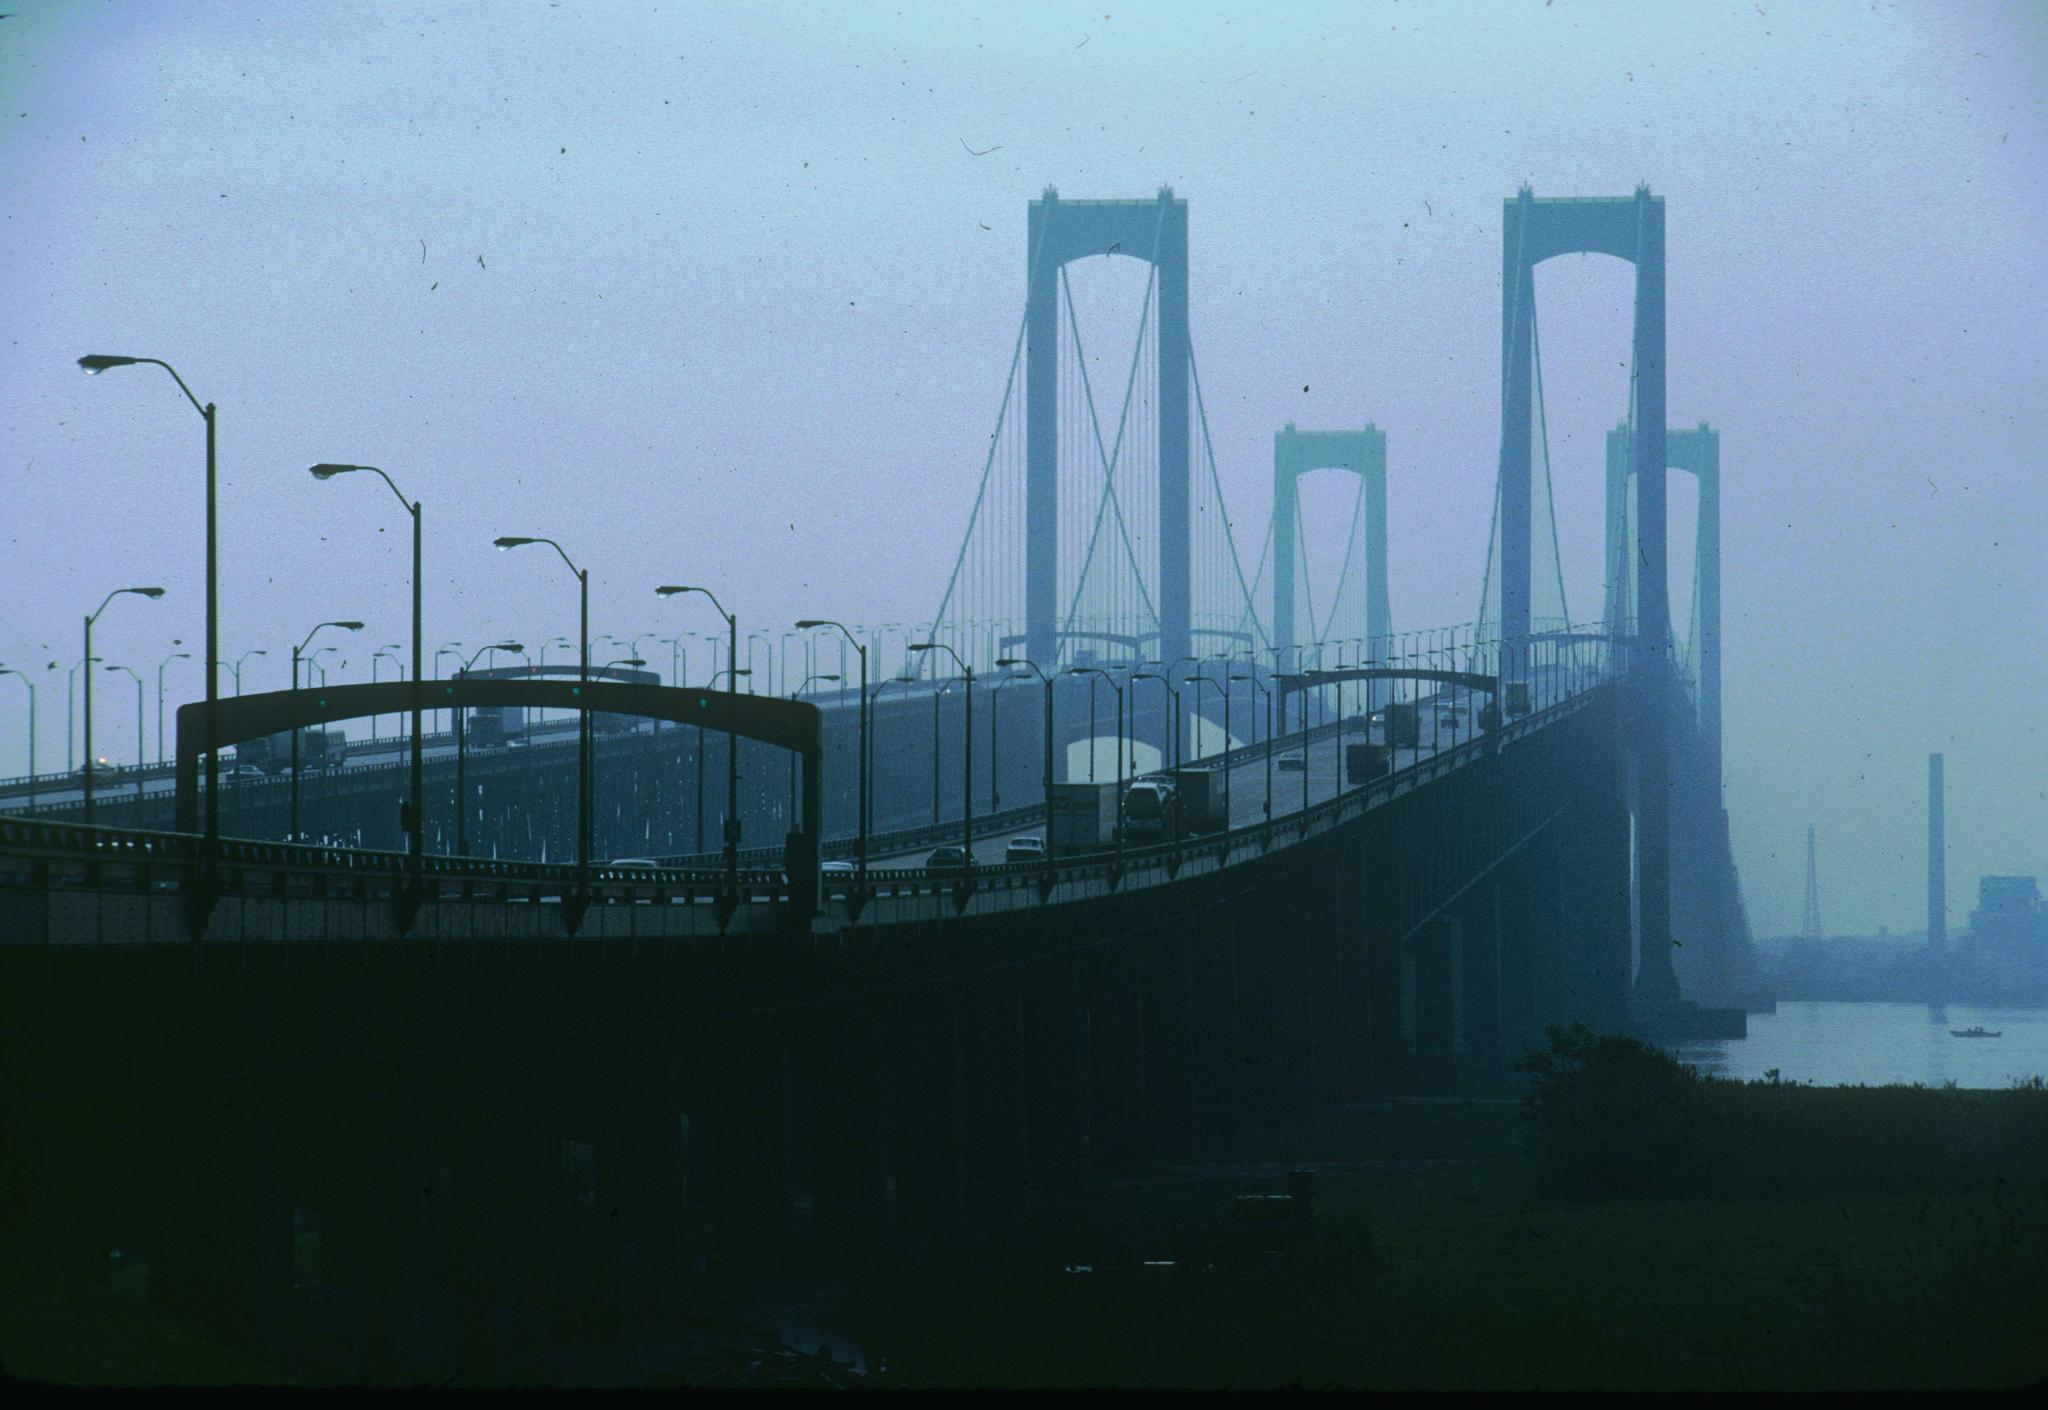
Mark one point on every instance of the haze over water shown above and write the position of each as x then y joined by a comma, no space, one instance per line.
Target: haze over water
1852,1044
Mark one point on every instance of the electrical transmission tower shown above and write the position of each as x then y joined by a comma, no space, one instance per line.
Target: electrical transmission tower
1810,925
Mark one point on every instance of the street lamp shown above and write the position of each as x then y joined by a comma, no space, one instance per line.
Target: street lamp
237,667
296,650
1046,680
411,816
446,648
1201,680
967,803
1110,681
732,752
461,750
861,806
174,656
797,694
94,364
138,731
874,713
149,592
504,543
10,671
1300,681
1173,697
384,654
316,667
995,735
1261,685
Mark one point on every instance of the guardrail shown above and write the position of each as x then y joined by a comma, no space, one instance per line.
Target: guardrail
57,856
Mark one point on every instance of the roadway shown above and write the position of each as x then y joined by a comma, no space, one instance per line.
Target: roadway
1293,790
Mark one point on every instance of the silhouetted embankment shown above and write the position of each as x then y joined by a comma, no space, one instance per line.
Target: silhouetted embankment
1612,1116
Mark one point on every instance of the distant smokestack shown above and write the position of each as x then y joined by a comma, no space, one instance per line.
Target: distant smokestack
1937,860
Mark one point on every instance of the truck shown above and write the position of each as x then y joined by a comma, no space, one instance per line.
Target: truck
1200,789
1365,762
492,726
1083,818
319,749
1404,724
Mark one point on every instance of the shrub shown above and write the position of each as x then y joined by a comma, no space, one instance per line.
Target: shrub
1609,1115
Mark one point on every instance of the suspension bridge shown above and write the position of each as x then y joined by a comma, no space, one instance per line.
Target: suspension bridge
428,1010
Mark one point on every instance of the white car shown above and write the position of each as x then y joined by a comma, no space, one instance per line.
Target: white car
1025,849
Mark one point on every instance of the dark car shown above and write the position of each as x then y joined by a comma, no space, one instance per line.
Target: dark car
948,859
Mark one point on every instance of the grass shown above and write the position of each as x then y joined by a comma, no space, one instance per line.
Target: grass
1463,1276
60,1327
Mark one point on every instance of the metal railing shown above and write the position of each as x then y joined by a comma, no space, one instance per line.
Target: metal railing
58,857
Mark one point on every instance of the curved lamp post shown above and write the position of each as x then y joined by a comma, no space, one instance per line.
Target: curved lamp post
797,694
732,751
149,592
411,816
1252,676
504,543
383,653
296,731
138,727
1111,682
11,671
861,710
1199,680
1046,680
94,364
236,668
174,656
967,803
462,806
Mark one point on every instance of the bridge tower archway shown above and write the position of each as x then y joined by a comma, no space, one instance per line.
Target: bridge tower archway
1695,451
1363,453
1629,228
1059,233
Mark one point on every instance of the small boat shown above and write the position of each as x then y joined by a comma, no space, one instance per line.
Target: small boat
1977,1032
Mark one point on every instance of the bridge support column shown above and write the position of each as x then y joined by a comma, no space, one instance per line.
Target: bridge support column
1385,966
1435,969
1479,924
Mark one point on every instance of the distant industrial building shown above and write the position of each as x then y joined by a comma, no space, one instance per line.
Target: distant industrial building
2005,954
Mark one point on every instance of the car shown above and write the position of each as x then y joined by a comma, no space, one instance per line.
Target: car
247,771
1025,849
1149,799
1291,763
838,868
633,864
948,859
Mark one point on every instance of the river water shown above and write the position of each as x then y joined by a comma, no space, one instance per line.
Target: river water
1847,1044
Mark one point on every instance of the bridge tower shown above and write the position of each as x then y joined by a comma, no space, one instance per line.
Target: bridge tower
1937,859
1696,451
1060,232
1632,229
1364,454
1809,920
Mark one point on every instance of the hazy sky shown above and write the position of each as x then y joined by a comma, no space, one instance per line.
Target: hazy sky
718,293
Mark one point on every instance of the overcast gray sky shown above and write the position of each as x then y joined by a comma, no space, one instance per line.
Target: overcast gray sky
719,293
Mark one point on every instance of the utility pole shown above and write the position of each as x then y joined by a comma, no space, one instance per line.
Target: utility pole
1809,925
